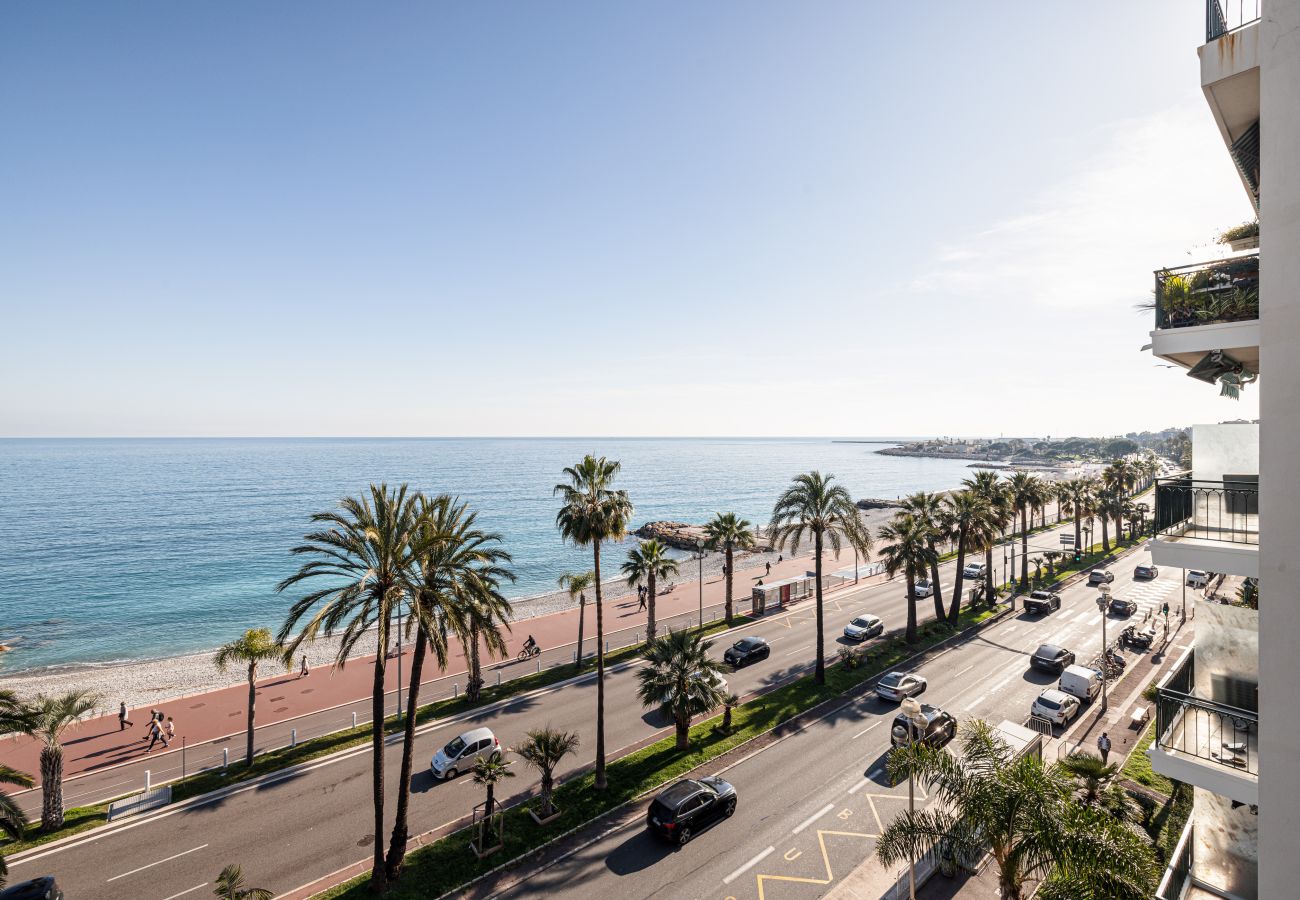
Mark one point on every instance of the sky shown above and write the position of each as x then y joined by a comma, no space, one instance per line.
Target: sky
734,218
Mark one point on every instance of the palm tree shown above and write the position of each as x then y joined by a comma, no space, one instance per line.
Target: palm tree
577,584
907,549
230,886
593,512
1077,496
1097,786
729,533
459,568
1023,488
252,647
967,517
483,615
13,822
1118,477
44,718
730,702
680,679
1021,812
988,487
490,771
928,507
645,565
813,505
1052,556
1110,507
1038,568
544,749
367,559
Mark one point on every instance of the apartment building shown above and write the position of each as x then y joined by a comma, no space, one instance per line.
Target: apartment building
1228,712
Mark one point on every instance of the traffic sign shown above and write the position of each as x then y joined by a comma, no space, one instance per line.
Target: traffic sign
1067,540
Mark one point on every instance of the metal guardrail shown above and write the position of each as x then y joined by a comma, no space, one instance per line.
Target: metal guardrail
1205,729
1226,510
1206,293
1180,867
1223,16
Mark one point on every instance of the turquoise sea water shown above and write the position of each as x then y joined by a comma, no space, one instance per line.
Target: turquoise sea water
133,549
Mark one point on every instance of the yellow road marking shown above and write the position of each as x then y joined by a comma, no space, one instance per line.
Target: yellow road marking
826,861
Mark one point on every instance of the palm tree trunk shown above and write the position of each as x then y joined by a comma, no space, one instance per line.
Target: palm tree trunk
1078,526
401,831
1024,548
475,676
600,782
911,606
730,562
377,879
936,593
252,712
582,615
1105,538
51,787
821,648
954,608
683,732
651,587
548,788
988,575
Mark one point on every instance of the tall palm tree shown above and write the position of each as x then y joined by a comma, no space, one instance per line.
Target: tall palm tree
365,554
907,549
1023,488
230,886
928,508
593,512
645,565
967,516
1077,496
681,679
728,532
986,485
1117,479
1019,810
813,505
13,822
1111,507
459,568
252,647
44,718
544,749
483,616
577,584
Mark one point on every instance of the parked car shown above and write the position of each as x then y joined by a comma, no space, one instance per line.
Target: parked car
747,650
1122,606
718,681
1042,602
43,888
897,685
1197,579
459,754
1051,658
1101,576
1147,571
1142,638
863,627
1055,706
1080,682
940,728
924,588
684,809
973,570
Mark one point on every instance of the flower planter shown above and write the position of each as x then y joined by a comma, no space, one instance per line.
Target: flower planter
544,821
1246,243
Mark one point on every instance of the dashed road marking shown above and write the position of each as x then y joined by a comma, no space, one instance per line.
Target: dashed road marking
865,730
749,865
813,818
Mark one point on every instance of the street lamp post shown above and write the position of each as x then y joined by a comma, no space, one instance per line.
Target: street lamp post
699,556
1103,604
911,707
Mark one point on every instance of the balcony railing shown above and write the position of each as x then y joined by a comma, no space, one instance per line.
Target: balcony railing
1225,290
1226,510
1206,729
1179,868
1222,16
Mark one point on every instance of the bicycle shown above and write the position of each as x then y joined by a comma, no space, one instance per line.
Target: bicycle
529,653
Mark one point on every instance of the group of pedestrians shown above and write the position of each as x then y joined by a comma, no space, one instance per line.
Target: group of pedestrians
160,728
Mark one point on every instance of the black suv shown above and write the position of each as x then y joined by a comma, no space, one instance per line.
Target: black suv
684,809
1122,607
36,889
747,650
1042,602
1051,658
940,728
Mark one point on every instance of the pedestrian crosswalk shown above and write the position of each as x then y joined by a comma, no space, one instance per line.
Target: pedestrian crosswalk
1149,595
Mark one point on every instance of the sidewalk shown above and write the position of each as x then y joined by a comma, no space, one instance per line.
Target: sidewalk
326,700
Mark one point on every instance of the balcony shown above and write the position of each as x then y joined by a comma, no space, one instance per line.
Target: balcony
1206,742
1209,525
1224,16
1208,307
1230,81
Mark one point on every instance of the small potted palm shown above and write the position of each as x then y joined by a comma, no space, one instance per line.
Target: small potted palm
543,749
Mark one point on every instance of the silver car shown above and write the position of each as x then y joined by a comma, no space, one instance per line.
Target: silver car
459,755
863,627
897,685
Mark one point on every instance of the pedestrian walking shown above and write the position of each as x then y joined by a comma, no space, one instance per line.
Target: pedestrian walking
769,568
171,729
153,717
155,735
1103,744
303,670
123,718
640,596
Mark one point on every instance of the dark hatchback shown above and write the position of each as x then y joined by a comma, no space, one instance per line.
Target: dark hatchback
747,650
36,889
940,728
1040,602
1051,658
686,808
1121,607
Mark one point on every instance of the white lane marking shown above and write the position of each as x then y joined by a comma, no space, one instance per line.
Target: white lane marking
158,863
813,818
972,704
859,786
188,891
964,671
864,731
1011,630
747,866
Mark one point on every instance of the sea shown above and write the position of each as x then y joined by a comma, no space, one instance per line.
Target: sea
118,550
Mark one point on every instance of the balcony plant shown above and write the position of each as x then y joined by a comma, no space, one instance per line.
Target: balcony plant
1241,237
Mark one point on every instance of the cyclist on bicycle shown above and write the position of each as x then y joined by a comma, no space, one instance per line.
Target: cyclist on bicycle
530,645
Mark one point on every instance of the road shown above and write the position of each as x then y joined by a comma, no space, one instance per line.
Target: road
812,805
301,828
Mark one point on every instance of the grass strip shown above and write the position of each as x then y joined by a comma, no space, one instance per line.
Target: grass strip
84,818
1138,767
448,864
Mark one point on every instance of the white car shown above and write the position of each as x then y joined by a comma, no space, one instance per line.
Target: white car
1055,706
718,681
1197,579
924,588
973,570
863,627
459,755
897,685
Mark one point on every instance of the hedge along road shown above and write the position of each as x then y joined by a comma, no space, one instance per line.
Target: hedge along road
301,828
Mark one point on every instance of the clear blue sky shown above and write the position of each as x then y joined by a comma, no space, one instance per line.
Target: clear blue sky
599,218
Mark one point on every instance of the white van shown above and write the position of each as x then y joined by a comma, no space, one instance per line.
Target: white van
1081,682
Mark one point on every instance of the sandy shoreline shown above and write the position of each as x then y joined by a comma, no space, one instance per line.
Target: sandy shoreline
146,682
